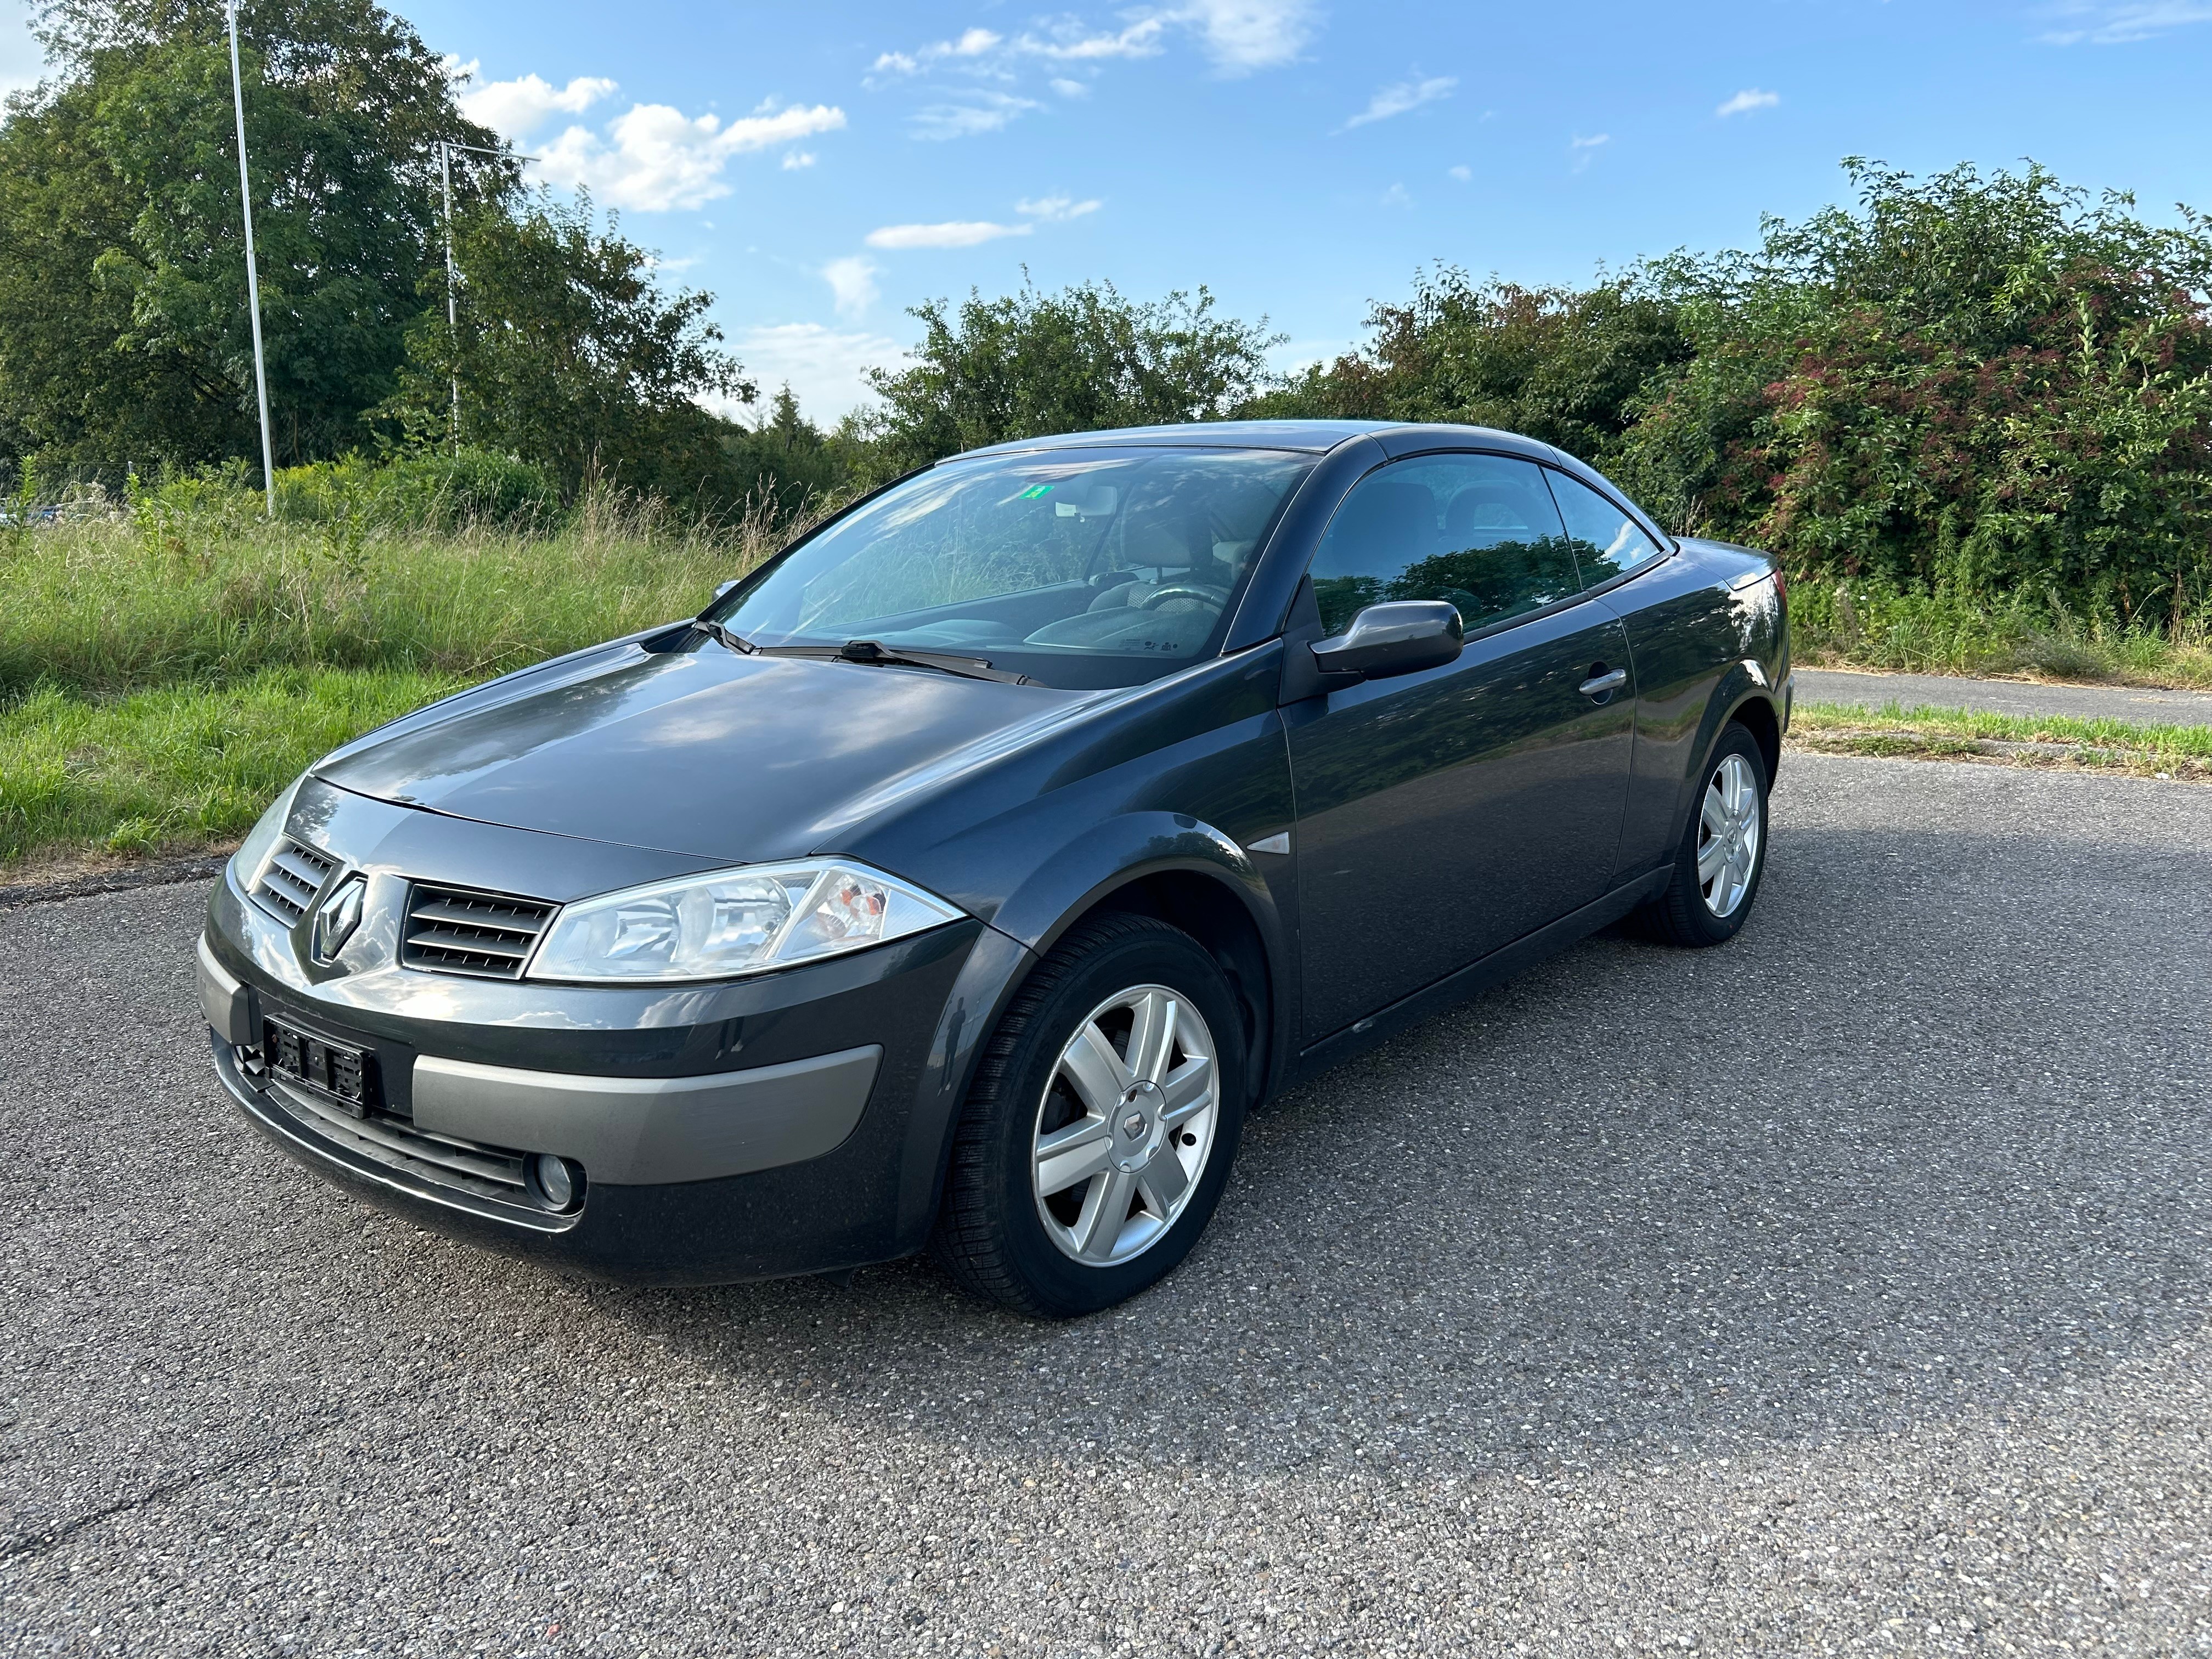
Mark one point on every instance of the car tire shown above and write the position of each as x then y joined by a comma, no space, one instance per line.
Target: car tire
1731,801
1056,1134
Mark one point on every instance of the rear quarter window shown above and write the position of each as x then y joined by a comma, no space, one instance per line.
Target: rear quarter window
1607,541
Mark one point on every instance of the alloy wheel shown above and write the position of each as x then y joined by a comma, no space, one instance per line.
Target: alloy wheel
1728,826
1126,1126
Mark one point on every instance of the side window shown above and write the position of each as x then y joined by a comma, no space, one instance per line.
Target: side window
1479,531
1607,542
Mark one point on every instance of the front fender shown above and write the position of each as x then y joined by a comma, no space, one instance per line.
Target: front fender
1060,889
1126,848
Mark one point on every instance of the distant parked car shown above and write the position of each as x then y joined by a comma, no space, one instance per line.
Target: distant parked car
967,872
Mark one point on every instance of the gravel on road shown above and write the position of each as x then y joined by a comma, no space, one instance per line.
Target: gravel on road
1842,1289
2138,705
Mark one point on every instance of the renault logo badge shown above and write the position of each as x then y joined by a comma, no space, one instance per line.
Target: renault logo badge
339,916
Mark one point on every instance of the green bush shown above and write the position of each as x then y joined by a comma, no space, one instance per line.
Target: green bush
425,489
1989,387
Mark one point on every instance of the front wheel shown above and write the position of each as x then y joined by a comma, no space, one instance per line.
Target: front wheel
1723,851
1103,1122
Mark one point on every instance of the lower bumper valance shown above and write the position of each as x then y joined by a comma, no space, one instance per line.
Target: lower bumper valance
654,1131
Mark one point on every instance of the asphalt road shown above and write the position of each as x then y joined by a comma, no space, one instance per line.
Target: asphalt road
2135,704
1842,1289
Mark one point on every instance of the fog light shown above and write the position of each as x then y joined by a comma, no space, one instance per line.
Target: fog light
559,1182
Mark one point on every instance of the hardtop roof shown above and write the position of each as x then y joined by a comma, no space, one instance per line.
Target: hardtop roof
1309,437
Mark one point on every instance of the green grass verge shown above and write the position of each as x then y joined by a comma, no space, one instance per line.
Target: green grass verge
182,767
2181,751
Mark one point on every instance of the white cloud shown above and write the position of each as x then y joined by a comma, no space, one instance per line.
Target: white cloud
1070,44
974,43
1584,150
515,109
851,284
958,233
1239,35
795,160
1397,99
1397,197
1749,99
1243,35
984,112
2124,25
1463,174
1055,208
823,367
655,158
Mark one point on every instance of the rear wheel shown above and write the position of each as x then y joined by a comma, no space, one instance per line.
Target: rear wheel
1724,850
1103,1122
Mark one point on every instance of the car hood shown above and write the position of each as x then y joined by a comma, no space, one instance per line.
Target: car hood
701,752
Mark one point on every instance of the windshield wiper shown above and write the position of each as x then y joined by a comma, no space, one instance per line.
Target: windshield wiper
726,637
875,653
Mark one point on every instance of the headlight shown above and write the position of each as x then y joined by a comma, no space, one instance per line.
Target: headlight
734,922
254,851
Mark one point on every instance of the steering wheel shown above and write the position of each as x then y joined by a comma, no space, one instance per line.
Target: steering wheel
1215,596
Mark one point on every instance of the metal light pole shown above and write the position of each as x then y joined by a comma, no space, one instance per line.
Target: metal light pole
445,148
252,279
452,307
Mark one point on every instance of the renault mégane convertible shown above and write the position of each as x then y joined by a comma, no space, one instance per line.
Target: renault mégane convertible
964,875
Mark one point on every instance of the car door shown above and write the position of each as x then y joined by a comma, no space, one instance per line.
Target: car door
1446,813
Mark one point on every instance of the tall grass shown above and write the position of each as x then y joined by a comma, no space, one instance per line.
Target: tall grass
165,669
1864,625
102,606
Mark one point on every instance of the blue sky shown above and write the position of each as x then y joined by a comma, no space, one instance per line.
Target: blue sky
821,166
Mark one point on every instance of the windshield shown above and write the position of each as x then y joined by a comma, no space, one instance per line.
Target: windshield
1080,569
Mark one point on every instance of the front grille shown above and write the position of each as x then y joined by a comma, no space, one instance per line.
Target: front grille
493,1172
295,872
451,930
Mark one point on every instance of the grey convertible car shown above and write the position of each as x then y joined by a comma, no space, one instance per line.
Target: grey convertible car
964,874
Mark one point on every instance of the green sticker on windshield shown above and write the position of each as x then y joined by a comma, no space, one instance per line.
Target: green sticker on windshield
1033,492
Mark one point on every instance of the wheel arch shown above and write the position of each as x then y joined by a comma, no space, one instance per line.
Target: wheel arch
1169,865
1741,697
1757,712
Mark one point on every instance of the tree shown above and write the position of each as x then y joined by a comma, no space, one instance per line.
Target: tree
788,462
1986,384
1560,364
569,355
124,332
1083,359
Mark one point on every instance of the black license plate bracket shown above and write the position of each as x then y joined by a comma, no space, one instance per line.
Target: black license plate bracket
338,1071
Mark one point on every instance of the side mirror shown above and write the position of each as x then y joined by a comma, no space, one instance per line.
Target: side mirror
1386,640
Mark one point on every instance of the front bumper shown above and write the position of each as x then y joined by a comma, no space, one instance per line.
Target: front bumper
790,1123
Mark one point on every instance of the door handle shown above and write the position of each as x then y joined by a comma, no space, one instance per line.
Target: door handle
1602,684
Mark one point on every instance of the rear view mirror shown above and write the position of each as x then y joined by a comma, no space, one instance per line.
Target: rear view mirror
1386,640
1098,503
